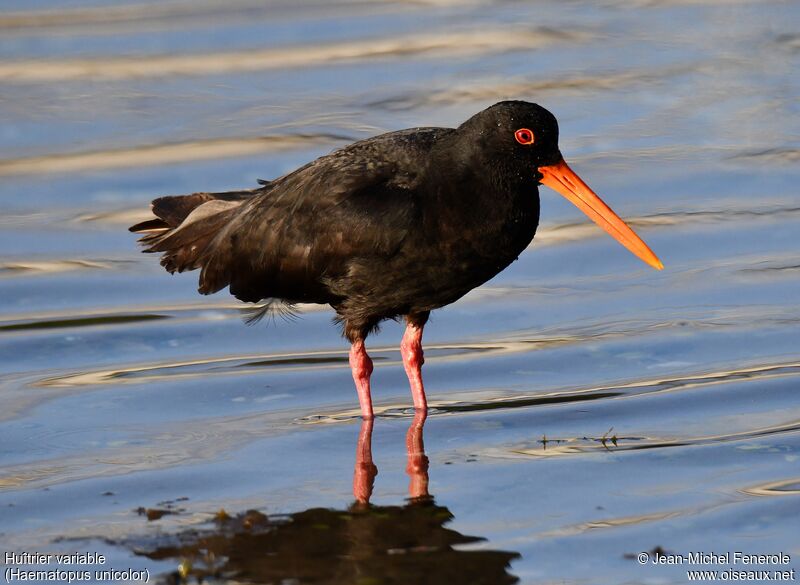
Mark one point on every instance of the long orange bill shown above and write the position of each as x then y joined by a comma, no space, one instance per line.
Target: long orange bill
564,180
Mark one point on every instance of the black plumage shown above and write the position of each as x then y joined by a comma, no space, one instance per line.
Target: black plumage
394,225
401,223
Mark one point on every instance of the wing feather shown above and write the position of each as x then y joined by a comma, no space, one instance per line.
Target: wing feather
310,226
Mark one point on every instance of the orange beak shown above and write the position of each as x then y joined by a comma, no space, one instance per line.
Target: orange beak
564,180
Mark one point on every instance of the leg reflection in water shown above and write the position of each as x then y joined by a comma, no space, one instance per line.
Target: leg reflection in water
363,543
417,467
366,470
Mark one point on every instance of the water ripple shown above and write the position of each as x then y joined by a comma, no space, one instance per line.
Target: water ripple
435,43
97,19
555,447
124,316
161,154
783,155
785,487
492,89
80,322
30,267
250,364
575,231
630,389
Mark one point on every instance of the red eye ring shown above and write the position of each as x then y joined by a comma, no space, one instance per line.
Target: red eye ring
524,136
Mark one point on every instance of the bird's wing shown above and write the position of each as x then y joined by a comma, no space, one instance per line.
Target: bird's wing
310,225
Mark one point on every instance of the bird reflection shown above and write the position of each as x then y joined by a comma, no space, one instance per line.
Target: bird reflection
361,544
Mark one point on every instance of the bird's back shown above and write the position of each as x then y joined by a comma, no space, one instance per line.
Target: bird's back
299,235
382,227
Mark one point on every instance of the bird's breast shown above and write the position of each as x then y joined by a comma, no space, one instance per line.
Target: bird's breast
471,242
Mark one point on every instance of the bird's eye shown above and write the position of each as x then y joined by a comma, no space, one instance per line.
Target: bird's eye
524,136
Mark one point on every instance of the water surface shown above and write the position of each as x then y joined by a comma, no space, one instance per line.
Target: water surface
585,407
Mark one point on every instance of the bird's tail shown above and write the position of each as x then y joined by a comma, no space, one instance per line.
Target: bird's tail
185,227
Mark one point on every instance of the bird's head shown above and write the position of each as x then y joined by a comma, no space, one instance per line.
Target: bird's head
525,137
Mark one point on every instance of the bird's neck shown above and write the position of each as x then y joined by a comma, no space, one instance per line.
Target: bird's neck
477,202
465,175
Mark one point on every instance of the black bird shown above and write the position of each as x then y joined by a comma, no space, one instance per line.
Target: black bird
394,225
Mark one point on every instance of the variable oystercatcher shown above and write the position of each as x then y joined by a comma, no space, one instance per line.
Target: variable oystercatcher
392,226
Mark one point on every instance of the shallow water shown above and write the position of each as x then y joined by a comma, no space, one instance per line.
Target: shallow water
585,407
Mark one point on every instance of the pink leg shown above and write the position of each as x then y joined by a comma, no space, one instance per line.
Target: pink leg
361,365
417,467
365,471
411,349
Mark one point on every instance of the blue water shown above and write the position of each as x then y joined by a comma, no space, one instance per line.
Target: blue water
585,407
